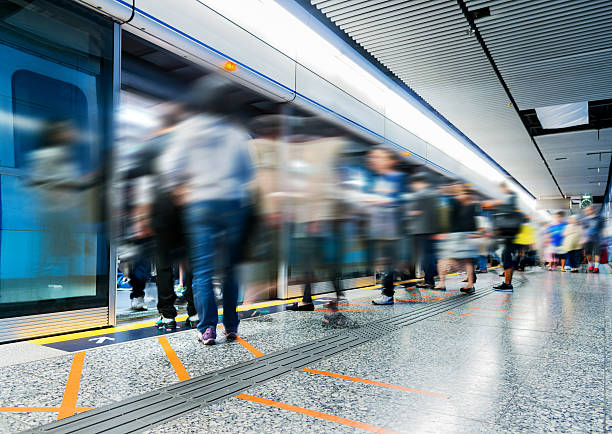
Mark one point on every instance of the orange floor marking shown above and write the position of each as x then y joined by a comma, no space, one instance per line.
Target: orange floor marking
71,393
375,383
484,316
249,347
181,372
39,409
317,414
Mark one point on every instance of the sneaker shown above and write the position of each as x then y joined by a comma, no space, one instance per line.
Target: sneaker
230,334
166,324
468,291
208,337
595,270
139,305
383,300
504,287
191,322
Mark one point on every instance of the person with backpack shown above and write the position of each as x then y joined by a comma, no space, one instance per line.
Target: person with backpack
507,222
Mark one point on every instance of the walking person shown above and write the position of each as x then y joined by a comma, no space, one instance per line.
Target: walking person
593,226
508,220
423,212
208,170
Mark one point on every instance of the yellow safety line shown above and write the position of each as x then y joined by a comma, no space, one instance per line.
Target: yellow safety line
141,325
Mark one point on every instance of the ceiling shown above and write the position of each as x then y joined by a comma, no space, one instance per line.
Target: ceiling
486,64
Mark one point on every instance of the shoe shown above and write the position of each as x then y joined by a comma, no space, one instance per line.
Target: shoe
471,290
309,307
464,280
230,334
424,285
383,300
502,275
504,287
138,304
208,337
575,270
439,288
166,324
191,323
590,268
595,270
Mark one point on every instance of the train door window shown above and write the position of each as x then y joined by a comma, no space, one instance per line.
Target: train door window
55,113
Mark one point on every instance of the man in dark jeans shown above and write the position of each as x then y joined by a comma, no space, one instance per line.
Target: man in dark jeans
423,213
170,246
159,217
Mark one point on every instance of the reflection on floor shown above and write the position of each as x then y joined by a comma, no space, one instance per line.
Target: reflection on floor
534,360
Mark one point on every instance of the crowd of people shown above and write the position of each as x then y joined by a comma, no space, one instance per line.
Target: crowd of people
214,191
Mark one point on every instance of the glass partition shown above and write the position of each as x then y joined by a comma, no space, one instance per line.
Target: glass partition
55,111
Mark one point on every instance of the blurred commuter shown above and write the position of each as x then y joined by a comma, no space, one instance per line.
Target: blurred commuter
208,170
383,190
423,213
54,172
314,182
160,216
593,228
507,222
525,241
460,244
484,243
572,244
555,234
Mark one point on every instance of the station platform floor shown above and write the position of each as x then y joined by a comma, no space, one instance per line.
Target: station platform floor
535,360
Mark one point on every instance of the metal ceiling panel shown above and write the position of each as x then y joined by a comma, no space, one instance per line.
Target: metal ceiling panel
426,44
580,160
550,52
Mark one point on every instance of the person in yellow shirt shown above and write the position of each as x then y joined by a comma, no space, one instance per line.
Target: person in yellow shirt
525,240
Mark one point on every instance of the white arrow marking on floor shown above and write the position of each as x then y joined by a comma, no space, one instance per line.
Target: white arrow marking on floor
101,339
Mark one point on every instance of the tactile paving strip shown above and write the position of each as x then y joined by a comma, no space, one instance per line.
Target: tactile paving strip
159,406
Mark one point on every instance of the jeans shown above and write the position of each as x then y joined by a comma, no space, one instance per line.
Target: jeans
482,262
215,231
425,246
384,253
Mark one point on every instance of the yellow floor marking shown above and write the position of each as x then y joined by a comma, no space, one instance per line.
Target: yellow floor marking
141,325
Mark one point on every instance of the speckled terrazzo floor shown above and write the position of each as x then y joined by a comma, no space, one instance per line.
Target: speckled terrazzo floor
537,360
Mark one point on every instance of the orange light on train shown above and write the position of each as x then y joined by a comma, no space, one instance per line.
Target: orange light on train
230,66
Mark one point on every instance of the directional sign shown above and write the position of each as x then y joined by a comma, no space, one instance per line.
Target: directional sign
101,339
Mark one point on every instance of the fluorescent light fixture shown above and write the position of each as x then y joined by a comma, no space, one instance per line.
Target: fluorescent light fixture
271,22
